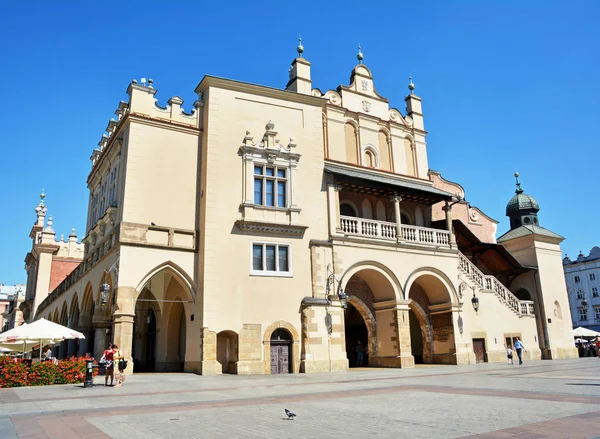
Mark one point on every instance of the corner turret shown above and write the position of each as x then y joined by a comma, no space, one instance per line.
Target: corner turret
300,81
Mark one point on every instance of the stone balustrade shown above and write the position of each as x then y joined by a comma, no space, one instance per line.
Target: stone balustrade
490,283
386,230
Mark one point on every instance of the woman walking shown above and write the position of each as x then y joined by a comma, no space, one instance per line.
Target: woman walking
109,364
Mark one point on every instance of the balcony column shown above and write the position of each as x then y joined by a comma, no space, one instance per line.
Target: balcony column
396,200
448,209
333,202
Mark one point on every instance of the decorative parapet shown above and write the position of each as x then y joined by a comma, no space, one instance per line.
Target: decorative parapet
142,103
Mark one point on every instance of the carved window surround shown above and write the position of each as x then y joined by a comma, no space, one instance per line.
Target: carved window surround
264,228
268,152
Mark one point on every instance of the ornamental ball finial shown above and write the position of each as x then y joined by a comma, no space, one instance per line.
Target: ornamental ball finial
300,48
516,175
411,86
360,55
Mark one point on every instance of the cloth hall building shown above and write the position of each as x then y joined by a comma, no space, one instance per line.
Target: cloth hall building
271,230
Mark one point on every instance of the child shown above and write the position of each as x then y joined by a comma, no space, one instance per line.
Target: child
509,354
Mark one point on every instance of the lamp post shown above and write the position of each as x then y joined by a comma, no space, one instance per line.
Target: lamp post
331,280
475,301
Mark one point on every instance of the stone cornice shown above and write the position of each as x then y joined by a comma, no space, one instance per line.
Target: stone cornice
261,90
258,227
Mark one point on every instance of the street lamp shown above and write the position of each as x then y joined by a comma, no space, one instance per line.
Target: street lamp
584,304
475,301
104,291
331,279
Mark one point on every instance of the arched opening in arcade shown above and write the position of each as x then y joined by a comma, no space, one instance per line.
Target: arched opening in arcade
163,316
431,320
366,341
227,351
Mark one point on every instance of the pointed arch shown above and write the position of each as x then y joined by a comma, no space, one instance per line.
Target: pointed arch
385,153
64,314
367,209
177,272
87,301
380,213
351,141
370,323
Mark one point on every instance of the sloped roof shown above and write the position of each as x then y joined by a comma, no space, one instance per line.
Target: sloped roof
528,230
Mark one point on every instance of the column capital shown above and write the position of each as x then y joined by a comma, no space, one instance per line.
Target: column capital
396,198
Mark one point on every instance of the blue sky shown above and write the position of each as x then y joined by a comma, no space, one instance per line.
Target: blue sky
505,85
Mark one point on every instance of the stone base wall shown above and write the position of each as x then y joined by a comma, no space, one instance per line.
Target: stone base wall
249,367
407,361
210,367
447,358
315,366
500,356
564,353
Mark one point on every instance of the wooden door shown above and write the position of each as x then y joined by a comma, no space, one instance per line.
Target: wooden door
280,358
479,349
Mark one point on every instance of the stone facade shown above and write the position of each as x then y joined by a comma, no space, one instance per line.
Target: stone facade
269,231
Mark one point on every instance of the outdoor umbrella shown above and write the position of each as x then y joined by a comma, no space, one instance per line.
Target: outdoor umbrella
584,332
40,332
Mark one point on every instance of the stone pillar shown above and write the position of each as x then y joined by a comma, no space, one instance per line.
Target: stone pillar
123,336
250,351
72,348
396,200
448,209
208,353
393,336
333,202
100,342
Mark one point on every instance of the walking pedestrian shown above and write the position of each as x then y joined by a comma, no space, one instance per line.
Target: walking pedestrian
108,359
519,347
509,354
360,354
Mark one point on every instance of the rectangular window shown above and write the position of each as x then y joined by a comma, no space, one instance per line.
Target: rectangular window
258,191
271,259
592,276
283,258
582,314
580,294
576,279
597,312
594,291
257,257
270,186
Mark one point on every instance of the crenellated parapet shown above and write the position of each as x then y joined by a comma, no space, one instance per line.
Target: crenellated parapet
142,103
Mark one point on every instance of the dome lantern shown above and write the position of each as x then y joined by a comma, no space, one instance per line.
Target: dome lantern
522,209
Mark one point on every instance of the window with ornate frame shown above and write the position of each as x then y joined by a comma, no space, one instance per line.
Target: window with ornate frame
582,315
269,169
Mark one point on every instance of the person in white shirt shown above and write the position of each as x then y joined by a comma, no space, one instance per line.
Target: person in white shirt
509,354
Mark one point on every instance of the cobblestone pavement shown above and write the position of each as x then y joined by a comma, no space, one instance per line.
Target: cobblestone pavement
541,399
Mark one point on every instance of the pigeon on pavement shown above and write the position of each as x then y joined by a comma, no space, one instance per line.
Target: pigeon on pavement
289,414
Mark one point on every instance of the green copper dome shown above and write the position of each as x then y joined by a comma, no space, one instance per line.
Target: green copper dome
521,201
522,209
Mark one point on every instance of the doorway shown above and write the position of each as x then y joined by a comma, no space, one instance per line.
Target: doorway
416,337
357,337
479,350
281,351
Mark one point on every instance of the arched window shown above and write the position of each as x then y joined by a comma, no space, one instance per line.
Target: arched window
404,219
347,210
557,309
369,159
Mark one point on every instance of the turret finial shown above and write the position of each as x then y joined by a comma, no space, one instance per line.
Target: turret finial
411,86
300,48
360,55
519,189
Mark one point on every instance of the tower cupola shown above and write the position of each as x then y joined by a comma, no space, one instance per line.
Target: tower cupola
522,209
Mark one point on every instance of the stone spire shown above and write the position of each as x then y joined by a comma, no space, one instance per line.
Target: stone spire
40,211
300,81
414,108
